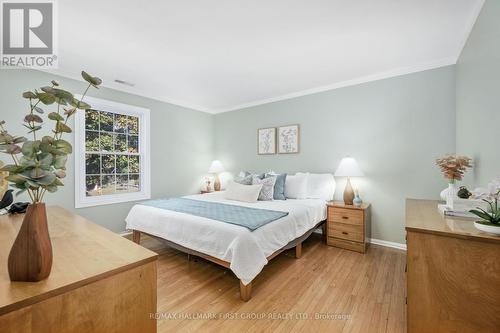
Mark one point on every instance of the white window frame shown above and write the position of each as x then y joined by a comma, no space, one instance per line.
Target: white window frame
81,199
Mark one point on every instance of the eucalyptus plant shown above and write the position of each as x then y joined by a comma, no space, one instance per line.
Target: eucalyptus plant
39,163
489,218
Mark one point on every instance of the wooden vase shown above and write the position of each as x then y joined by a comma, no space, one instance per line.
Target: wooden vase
30,258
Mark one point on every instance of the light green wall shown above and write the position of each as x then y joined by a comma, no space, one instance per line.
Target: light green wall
395,128
478,96
181,142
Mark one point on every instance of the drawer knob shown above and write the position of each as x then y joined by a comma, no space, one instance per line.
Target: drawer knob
345,217
345,233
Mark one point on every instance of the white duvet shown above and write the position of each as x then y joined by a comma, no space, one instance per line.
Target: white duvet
245,250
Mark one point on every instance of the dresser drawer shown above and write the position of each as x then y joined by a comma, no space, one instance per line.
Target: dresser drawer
348,216
346,244
349,235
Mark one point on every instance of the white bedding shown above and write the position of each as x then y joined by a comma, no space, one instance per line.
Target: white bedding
245,250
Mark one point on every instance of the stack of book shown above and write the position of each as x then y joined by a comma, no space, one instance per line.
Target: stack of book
461,207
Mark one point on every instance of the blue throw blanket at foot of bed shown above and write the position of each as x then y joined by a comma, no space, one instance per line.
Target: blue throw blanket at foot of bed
251,218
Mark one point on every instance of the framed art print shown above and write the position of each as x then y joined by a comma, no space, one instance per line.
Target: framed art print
288,139
266,141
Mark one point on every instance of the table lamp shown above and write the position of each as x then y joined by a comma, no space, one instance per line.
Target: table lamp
348,167
215,168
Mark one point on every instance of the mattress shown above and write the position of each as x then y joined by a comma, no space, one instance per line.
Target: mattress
245,250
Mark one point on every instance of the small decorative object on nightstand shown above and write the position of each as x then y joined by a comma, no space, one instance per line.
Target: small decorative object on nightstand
348,167
216,168
348,226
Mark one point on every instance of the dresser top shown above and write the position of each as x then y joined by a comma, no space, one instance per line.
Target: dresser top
424,216
83,252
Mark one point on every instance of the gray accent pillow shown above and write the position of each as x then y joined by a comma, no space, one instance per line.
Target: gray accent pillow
244,180
279,186
267,191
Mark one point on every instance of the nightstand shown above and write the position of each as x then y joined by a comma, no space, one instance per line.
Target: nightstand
348,227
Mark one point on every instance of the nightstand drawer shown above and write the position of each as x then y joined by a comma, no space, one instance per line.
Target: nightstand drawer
349,235
349,216
345,244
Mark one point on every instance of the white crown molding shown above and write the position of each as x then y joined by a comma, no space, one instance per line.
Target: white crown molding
132,91
469,26
365,79
394,245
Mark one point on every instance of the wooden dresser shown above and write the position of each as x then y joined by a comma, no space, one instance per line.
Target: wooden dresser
348,226
453,273
100,281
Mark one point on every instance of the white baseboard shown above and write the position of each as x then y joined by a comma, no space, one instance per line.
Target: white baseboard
394,245
380,242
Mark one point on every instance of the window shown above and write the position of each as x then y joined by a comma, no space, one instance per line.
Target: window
111,154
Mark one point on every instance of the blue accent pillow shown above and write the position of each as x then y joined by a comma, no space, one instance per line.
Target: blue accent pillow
279,186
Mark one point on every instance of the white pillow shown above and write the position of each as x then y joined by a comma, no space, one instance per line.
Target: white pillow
296,186
239,192
320,185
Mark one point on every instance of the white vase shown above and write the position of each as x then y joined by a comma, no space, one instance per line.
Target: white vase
449,193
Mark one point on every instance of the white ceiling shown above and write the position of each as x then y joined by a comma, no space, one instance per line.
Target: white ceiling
218,56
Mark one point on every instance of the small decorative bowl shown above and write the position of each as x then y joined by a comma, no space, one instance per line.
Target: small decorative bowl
487,228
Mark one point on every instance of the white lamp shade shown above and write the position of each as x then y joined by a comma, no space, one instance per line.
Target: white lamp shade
348,167
216,167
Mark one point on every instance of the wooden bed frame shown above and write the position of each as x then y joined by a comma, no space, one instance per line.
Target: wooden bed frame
245,290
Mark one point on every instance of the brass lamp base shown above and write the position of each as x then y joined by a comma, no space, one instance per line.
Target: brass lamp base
348,193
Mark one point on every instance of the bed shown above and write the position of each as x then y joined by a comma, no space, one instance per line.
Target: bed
243,251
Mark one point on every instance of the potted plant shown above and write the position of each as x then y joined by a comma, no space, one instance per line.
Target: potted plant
490,221
453,168
39,167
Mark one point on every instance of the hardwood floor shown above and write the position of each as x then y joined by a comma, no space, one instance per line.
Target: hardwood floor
349,291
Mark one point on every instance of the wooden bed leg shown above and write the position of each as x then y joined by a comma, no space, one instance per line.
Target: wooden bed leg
245,291
298,251
136,236
323,229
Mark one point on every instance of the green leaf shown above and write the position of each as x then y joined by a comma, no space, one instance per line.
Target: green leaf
93,80
55,116
34,173
31,184
45,159
34,129
54,83
27,162
29,94
60,161
10,149
15,178
47,180
33,118
19,139
482,215
80,104
30,148
12,168
46,98
64,146
62,128
50,188
47,139
38,109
